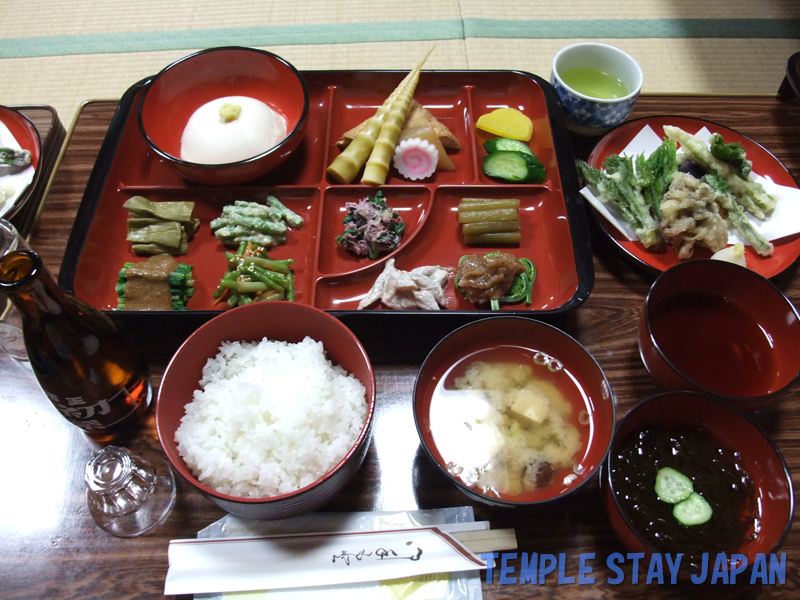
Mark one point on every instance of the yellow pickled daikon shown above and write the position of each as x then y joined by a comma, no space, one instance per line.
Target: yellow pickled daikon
508,123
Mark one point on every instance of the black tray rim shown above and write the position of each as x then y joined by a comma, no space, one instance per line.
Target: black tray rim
362,321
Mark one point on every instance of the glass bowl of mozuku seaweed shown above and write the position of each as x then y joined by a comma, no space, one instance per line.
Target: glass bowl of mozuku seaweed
687,473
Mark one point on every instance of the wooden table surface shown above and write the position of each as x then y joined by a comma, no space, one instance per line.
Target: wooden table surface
51,548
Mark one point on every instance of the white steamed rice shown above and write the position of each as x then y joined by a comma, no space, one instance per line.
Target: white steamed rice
269,418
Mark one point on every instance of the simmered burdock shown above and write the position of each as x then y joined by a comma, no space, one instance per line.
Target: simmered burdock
485,278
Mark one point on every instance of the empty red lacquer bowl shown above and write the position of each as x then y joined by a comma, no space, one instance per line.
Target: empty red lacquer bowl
277,321
718,328
735,431
460,435
174,94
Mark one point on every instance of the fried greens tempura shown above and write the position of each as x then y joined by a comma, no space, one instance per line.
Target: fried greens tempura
690,215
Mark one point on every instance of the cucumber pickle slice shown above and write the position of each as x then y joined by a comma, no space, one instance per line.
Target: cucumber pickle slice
673,486
500,143
514,166
692,511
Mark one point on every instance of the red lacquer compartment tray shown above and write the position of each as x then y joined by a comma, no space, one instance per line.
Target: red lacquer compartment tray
552,214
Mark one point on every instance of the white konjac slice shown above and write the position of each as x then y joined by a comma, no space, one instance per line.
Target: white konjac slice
213,138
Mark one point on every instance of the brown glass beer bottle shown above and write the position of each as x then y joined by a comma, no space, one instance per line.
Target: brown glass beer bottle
92,374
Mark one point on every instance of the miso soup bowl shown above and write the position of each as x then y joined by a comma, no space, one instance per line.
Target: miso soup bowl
764,338
442,420
277,321
172,96
735,430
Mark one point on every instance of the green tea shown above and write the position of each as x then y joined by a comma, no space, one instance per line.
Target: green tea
594,83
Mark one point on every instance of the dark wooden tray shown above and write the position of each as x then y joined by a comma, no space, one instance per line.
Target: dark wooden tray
51,548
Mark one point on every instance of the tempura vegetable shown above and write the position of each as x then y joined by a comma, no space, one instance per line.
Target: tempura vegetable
737,216
346,166
617,183
13,161
750,194
659,168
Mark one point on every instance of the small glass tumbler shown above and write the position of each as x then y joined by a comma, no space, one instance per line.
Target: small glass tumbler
128,495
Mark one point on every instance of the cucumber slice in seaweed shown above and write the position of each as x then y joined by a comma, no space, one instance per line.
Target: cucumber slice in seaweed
673,486
693,511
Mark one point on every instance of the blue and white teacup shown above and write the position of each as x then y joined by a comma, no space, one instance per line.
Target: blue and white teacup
587,115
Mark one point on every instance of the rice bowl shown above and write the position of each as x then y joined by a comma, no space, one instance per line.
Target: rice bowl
276,320
270,418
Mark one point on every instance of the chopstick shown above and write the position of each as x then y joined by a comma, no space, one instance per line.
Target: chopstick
488,540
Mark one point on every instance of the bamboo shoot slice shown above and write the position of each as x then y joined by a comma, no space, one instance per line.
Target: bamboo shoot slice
346,166
377,167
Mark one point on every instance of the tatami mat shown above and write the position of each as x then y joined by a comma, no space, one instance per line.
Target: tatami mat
65,53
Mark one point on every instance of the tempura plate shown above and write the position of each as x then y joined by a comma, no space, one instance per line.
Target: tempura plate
786,250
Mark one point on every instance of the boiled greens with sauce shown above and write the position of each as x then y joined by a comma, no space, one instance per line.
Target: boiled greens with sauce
371,227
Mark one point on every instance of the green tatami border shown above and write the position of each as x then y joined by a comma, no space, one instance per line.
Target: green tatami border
345,33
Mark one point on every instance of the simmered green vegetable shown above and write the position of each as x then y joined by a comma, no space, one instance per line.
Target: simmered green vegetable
180,282
160,227
263,224
252,276
490,221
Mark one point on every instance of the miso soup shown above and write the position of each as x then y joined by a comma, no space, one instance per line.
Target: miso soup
511,423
